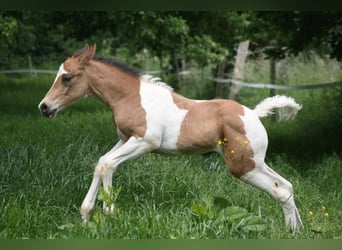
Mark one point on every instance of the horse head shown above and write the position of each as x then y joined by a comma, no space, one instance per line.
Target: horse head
70,84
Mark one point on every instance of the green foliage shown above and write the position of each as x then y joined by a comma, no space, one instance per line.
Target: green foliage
46,168
109,197
217,211
205,51
168,34
8,25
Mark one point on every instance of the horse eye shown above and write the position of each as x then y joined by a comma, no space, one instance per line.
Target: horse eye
66,78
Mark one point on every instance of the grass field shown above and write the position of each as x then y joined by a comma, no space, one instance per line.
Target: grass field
46,168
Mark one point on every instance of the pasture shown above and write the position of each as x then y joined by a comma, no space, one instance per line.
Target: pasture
46,168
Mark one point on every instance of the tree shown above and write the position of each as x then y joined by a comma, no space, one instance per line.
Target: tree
299,31
8,27
203,37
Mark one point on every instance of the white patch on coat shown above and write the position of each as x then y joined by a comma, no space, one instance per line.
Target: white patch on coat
255,133
262,176
60,72
163,117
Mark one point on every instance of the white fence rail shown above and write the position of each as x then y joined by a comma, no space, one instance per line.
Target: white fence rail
47,71
217,80
32,71
273,86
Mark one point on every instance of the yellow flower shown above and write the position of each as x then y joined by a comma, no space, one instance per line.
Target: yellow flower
222,142
326,215
245,142
232,152
310,213
324,208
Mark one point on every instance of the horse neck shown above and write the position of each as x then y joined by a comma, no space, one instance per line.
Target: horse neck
112,85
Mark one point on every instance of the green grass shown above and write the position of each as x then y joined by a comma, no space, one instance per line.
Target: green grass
305,69
46,168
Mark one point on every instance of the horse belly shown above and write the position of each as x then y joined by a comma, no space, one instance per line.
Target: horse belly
170,130
180,132
205,122
199,133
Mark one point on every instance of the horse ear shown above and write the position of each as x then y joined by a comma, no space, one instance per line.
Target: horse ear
86,54
93,50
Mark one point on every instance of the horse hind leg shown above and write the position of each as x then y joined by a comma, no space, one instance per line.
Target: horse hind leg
266,179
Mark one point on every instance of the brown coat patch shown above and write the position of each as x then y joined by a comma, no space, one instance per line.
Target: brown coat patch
120,91
208,122
238,152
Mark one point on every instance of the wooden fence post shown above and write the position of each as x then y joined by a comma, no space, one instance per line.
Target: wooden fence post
238,68
220,74
273,47
282,70
272,75
30,64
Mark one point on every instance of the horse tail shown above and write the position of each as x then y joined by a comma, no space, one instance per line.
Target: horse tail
286,107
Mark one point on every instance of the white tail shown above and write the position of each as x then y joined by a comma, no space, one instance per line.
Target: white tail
286,107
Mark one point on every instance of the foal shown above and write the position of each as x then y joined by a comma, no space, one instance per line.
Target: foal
149,116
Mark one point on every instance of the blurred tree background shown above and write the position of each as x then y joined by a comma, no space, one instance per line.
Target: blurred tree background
170,41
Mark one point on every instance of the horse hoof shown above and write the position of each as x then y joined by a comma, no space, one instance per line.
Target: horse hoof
108,210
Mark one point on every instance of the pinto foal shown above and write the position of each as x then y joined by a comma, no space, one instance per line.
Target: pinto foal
149,116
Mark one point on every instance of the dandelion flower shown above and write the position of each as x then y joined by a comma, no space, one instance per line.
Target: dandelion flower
326,215
324,208
310,213
222,142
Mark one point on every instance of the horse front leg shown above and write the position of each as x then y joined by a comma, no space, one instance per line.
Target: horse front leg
105,168
90,199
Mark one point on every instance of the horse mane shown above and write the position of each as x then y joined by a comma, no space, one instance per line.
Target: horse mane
120,65
112,61
155,81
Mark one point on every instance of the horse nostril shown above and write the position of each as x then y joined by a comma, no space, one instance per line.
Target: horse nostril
43,107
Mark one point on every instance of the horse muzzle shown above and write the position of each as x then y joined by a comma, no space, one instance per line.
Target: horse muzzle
47,111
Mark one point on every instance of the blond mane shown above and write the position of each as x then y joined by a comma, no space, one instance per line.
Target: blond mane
155,81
